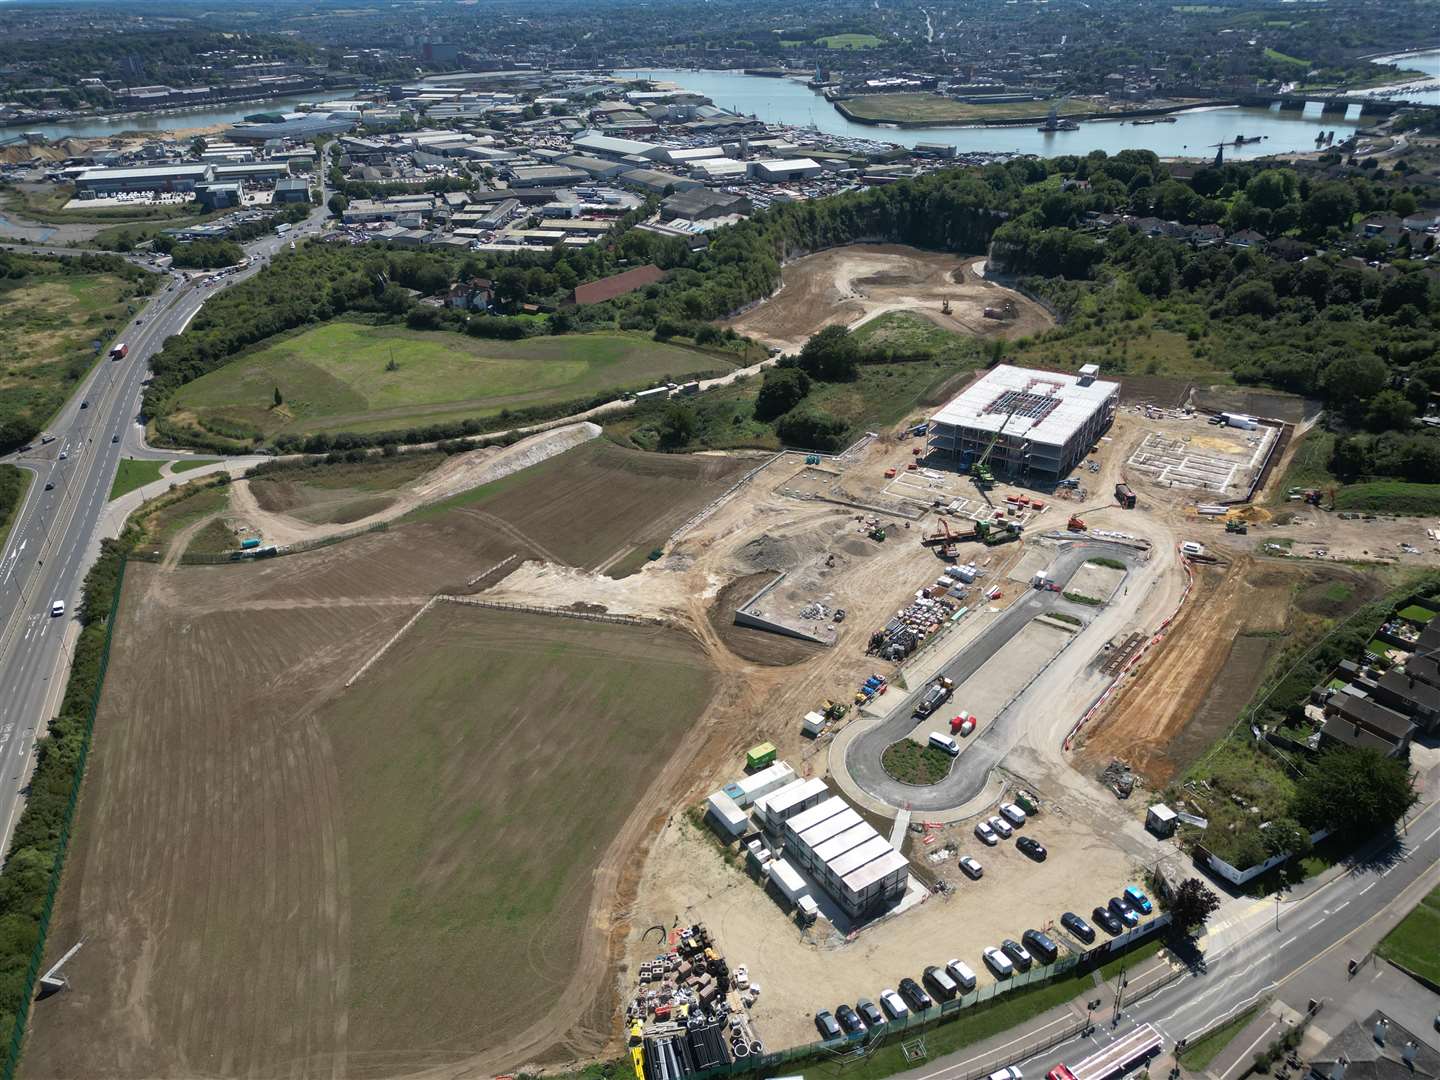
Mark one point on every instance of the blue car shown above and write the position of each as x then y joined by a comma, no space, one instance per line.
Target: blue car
1138,900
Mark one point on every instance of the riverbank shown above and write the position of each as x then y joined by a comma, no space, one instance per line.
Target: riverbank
1021,119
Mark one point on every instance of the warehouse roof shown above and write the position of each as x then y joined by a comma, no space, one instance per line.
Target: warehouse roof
595,143
144,172
1049,406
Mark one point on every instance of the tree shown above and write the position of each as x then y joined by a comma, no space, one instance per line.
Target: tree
1350,380
1356,793
338,204
1389,410
1272,188
1403,204
831,356
1192,905
1330,204
1286,836
278,399
679,426
782,390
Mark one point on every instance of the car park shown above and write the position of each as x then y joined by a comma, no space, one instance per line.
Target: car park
1040,946
1138,900
870,1012
1078,926
1012,814
1107,922
999,963
849,1019
829,1028
972,868
895,1008
986,834
1001,827
963,975
940,984
915,995
1032,847
1018,953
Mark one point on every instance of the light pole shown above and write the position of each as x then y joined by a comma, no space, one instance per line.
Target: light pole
1277,912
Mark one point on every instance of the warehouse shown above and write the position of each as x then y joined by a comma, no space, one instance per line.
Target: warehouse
798,169
144,178
1045,421
545,176
611,147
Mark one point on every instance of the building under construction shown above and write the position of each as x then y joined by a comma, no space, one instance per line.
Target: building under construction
1025,425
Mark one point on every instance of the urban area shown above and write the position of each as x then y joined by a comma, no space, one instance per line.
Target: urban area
683,541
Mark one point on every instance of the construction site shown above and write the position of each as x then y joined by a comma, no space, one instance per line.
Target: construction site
714,658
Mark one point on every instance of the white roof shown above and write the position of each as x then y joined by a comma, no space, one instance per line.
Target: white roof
592,140
1068,407
818,834
821,811
144,172
780,801
859,856
790,165
858,880
786,876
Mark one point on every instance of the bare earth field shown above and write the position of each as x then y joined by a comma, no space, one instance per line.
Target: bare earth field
851,285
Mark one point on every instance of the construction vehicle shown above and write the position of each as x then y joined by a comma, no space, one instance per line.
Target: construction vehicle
935,695
943,540
1236,527
945,306
1075,524
833,710
890,474
980,472
993,533
877,534
1124,496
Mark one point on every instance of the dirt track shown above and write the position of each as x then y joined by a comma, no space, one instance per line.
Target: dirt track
854,284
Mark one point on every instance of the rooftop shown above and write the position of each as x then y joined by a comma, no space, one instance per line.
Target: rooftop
1049,407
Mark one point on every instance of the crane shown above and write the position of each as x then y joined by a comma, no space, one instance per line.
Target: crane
979,471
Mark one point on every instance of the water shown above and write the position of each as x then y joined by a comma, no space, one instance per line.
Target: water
95,126
790,102
1425,90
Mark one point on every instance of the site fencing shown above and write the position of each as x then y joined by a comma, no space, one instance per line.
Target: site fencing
225,558
32,972
860,1047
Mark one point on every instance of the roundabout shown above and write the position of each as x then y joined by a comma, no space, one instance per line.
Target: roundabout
1013,659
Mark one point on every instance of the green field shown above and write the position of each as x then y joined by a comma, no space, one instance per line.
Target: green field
160,520
14,483
911,763
1282,58
134,474
925,108
1412,944
340,377
1390,497
1310,464
339,494
484,767
850,41
52,328
186,466
1199,1054
908,334
1152,343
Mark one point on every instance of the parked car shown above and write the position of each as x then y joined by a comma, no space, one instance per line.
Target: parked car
973,869
1040,945
1123,911
49,485
829,1028
1018,953
999,963
915,995
114,438
1109,923
986,834
1138,900
1001,827
870,1012
1012,813
1032,847
895,1008
1078,926
940,983
963,975
849,1019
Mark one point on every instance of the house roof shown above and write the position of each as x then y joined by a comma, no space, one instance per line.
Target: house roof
1351,734
1376,717
1423,666
596,292
1368,1058
1409,688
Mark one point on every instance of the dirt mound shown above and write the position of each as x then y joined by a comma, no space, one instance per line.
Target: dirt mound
888,278
772,650
769,552
277,496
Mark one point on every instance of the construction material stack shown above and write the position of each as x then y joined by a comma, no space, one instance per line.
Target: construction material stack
682,1013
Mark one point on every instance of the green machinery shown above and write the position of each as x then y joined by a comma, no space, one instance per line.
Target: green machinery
980,471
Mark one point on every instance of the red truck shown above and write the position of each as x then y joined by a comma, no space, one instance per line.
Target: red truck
119,351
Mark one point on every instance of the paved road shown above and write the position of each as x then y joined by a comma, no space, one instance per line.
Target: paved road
54,540
1245,960
998,735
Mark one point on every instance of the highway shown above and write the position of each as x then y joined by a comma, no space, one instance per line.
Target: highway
55,536
1293,950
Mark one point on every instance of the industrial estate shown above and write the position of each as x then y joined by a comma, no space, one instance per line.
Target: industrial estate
516,567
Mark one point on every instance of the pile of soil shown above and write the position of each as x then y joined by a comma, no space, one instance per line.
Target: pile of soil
757,646
767,552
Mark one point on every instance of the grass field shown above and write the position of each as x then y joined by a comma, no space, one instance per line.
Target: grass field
1151,344
186,466
484,875
132,474
629,501
1390,497
1411,945
1199,1054
1283,58
909,334
911,763
1310,464
937,109
14,483
850,41
161,519
338,377
52,327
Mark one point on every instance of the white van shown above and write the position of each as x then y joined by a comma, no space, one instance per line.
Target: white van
57,609
962,974
944,742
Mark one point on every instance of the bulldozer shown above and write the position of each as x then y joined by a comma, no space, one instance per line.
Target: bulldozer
1237,527
1076,524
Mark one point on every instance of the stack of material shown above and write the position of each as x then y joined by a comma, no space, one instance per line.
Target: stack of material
911,626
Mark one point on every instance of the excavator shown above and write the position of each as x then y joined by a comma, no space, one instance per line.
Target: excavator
944,541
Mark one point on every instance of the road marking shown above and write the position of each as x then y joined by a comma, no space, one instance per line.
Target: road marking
1342,907
1431,833
1287,941
1317,922
1368,887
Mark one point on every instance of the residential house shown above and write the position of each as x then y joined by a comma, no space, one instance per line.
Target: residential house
1376,1048
1245,239
473,295
1406,694
1351,720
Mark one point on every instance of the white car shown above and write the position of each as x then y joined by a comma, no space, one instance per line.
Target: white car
999,963
986,834
972,867
57,609
1010,1072
893,1004
1001,826
1012,813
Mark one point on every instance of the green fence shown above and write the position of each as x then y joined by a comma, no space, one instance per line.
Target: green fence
37,957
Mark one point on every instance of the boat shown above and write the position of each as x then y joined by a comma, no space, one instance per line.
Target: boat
1241,140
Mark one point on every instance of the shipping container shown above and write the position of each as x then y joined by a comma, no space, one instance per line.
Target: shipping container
760,756
251,542
837,869
776,807
728,818
816,835
845,841
813,724
1124,496
788,880
749,788
821,811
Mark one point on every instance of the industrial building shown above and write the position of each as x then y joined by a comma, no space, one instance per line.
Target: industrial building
144,178
1042,423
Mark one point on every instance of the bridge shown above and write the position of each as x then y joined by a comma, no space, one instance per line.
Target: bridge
1330,104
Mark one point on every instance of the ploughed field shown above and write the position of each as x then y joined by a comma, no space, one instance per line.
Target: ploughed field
347,376
279,875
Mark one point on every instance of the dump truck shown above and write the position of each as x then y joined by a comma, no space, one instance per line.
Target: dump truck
1124,496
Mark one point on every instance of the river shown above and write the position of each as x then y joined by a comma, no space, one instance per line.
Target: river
1426,90
1194,133
92,127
